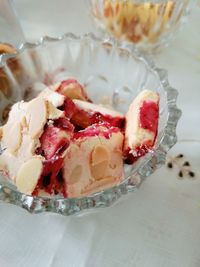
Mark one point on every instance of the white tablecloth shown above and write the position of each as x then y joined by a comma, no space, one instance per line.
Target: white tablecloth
158,226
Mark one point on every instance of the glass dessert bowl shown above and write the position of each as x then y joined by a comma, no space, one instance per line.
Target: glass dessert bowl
149,25
110,75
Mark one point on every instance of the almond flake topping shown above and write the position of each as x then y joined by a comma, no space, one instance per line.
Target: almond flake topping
29,174
36,116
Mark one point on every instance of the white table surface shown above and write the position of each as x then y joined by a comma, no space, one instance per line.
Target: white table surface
158,226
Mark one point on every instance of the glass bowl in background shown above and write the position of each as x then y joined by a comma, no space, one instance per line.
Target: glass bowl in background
149,25
113,76
10,28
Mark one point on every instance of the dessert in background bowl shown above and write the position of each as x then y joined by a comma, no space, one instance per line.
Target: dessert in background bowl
6,84
62,150
149,25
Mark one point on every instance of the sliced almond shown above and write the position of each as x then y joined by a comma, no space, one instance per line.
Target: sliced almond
36,116
12,136
98,171
28,147
28,175
100,158
53,112
24,122
99,185
55,98
75,175
100,154
73,91
17,112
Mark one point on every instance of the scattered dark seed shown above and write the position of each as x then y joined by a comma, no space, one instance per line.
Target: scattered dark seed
191,174
179,156
186,163
170,165
180,174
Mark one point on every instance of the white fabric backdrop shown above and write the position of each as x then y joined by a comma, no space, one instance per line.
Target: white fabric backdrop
156,227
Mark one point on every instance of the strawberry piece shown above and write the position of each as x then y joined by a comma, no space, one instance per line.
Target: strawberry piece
51,180
64,124
53,141
69,108
87,114
82,119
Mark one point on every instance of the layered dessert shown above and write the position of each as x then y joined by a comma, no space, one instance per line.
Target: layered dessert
7,49
14,69
13,64
62,143
138,21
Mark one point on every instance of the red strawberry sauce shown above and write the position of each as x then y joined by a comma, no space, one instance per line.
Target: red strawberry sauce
104,129
139,151
149,113
51,180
